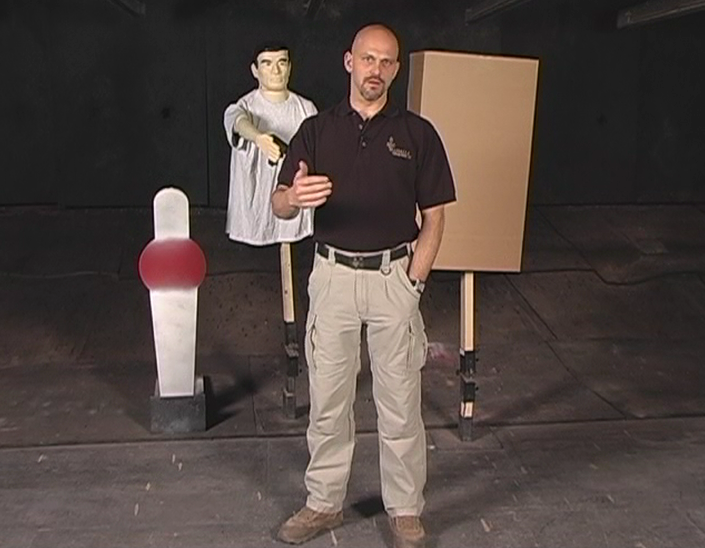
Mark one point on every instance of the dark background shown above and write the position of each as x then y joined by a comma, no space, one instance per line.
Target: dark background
101,107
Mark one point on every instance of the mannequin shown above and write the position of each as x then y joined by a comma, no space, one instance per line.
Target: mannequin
258,127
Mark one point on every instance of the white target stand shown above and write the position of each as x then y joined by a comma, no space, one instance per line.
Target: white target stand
172,266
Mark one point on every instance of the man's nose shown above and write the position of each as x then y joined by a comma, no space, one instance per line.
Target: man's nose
276,69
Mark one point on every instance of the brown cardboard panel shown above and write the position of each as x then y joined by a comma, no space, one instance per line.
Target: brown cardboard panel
483,107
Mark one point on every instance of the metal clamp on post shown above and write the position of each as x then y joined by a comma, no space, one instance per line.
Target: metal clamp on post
468,391
291,348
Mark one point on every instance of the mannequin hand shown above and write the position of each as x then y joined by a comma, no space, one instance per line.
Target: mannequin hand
265,142
309,190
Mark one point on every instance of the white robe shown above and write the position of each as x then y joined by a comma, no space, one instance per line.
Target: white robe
253,179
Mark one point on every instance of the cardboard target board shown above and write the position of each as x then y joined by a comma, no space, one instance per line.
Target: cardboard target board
483,107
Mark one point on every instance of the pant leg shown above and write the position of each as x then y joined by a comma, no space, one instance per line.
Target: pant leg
398,346
333,355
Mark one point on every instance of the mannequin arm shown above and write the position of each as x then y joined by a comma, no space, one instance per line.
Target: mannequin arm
264,141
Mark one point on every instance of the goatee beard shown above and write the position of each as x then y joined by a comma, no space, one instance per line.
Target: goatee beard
372,95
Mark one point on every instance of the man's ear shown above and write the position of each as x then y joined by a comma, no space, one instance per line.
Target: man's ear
253,68
347,61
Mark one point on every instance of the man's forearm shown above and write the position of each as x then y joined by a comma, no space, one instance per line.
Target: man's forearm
428,242
281,206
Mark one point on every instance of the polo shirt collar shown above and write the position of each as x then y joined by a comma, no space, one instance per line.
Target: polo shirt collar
344,108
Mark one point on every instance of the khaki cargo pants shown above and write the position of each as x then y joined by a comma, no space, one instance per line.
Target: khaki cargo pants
342,300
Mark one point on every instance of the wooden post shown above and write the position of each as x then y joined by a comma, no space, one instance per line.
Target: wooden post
468,342
291,344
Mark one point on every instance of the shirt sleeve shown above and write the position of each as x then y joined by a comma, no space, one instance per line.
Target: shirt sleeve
311,108
230,118
301,148
434,179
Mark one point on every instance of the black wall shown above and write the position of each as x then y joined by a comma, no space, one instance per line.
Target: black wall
100,107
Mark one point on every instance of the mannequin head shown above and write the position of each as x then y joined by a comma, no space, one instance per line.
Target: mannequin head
271,67
373,63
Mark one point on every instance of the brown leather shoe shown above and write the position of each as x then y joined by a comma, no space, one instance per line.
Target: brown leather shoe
306,524
408,532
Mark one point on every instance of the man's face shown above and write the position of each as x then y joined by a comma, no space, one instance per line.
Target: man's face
372,64
272,70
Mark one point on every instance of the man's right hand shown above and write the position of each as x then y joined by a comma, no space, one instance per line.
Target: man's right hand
309,190
266,143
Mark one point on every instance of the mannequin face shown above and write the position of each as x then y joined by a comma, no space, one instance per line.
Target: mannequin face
272,70
372,63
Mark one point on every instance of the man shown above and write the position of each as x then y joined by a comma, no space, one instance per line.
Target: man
366,165
257,127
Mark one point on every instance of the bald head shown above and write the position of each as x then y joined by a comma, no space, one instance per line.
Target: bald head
379,35
373,63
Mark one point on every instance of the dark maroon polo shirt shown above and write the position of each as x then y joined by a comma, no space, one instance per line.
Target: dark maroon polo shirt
381,170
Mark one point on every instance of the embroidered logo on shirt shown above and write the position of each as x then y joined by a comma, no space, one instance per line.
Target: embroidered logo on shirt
396,151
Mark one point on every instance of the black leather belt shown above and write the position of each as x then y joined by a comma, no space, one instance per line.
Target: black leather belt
364,262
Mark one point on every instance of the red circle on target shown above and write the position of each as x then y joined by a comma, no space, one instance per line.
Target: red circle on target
172,263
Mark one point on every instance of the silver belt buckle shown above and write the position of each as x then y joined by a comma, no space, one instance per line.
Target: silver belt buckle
357,261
